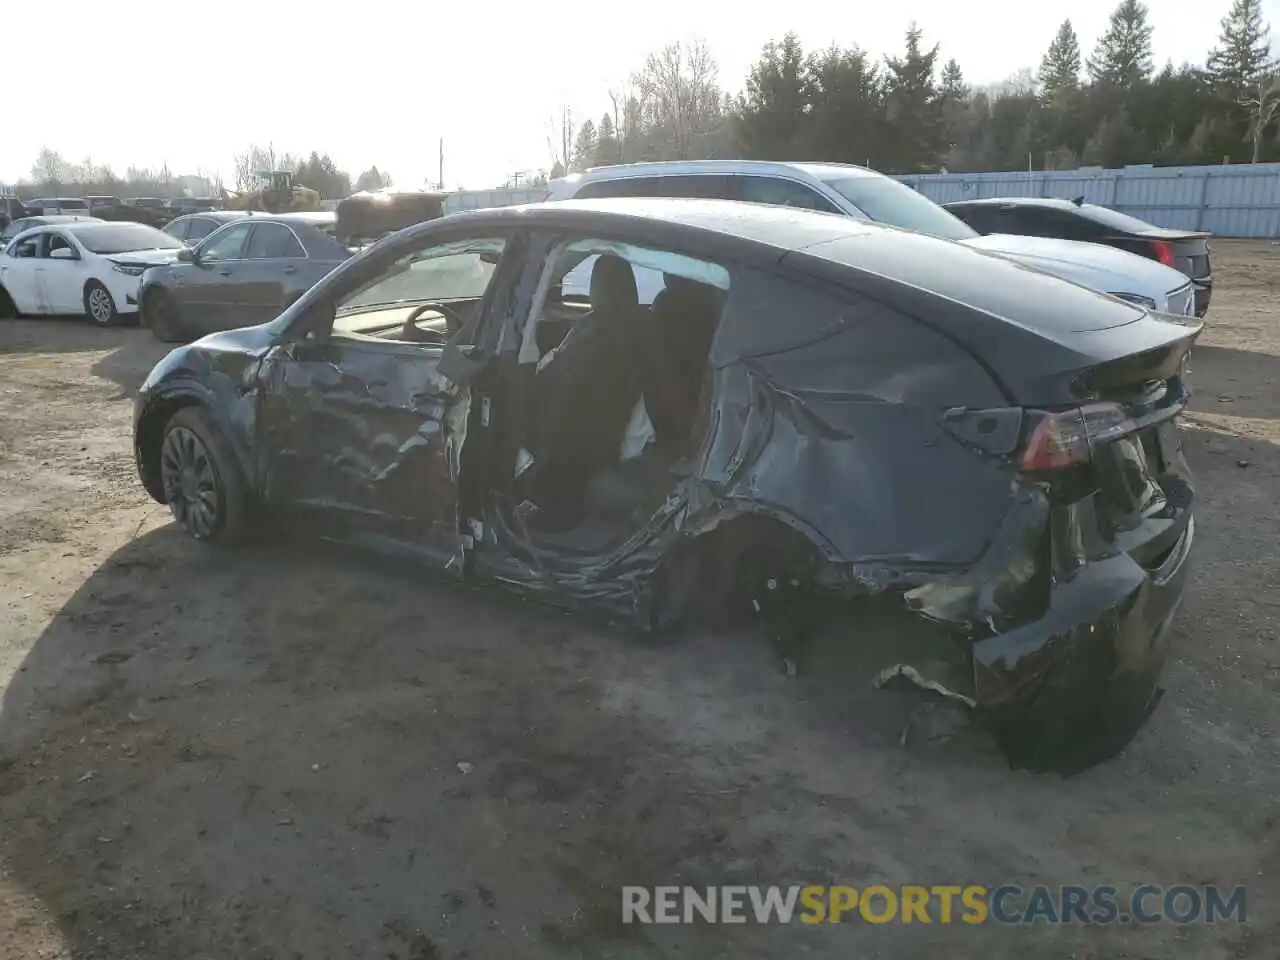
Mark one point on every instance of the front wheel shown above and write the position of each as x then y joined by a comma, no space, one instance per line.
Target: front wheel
161,316
99,305
201,478
8,309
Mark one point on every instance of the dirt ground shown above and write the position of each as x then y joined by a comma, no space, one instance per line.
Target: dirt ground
294,752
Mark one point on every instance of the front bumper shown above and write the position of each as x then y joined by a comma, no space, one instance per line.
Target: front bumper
124,291
1071,689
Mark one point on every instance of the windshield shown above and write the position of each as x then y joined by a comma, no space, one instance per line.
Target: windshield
451,271
124,238
888,201
1114,219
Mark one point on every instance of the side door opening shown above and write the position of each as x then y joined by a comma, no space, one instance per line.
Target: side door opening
602,417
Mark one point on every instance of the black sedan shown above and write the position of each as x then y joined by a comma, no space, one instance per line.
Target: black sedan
244,272
1184,250
812,410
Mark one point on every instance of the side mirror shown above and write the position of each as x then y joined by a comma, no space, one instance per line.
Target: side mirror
63,253
187,255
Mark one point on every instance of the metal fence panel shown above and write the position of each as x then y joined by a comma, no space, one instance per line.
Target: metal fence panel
1230,200
501,197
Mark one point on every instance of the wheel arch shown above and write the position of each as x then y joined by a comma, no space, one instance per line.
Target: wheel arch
92,281
148,432
702,577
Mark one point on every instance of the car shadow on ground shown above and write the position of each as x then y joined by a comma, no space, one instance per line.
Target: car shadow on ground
129,363
57,334
243,752
132,352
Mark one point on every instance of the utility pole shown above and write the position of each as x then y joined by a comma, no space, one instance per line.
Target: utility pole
440,182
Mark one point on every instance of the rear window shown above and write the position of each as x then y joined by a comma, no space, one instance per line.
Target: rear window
73,205
1113,219
886,200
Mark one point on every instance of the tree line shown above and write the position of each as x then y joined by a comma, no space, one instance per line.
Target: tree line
54,175
914,113
908,113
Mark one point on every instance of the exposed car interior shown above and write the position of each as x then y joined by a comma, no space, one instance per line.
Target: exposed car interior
426,297
609,389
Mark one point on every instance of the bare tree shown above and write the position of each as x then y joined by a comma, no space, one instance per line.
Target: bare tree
50,167
560,139
1262,104
680,99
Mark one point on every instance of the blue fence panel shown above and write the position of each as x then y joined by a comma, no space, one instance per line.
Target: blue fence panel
1231,200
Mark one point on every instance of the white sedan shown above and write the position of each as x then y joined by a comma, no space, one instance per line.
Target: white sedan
81,268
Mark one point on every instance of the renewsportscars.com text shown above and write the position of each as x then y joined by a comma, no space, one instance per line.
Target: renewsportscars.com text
944,904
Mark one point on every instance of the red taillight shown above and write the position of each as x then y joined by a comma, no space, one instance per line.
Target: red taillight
1163,251
1066,438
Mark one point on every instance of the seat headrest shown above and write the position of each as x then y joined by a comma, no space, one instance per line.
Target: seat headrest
613,284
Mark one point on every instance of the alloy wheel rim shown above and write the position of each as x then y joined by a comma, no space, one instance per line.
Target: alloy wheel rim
190,482
100,305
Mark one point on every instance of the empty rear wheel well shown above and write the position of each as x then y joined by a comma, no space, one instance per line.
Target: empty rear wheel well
712,577
149,436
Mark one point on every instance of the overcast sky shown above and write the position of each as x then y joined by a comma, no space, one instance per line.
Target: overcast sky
380,81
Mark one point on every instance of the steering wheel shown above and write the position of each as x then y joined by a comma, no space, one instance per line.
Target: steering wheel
452,322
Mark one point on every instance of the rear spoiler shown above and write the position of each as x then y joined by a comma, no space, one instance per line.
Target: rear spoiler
1164,359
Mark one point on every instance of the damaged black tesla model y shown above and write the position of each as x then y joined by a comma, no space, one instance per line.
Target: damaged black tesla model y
625,403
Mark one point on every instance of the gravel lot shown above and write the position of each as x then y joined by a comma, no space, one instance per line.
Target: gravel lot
292,752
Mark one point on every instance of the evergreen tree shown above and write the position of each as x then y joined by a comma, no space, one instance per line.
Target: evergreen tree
584,148
1123,56
607,145
951,87
913,107
1060,68
1243,54
771,113
845,107
373,179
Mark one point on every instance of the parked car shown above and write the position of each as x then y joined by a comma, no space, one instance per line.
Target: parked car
16,227
97,204
11,208
815,406
58,206
80,267
855,191
184,205
244,272
194,227
1185,250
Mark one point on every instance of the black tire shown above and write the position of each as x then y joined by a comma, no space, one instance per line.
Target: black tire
8,309
160,315
99,306
201,479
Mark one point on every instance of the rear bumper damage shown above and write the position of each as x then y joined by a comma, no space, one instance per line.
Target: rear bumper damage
1072,686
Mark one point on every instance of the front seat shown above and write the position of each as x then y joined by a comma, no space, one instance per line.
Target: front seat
588,387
